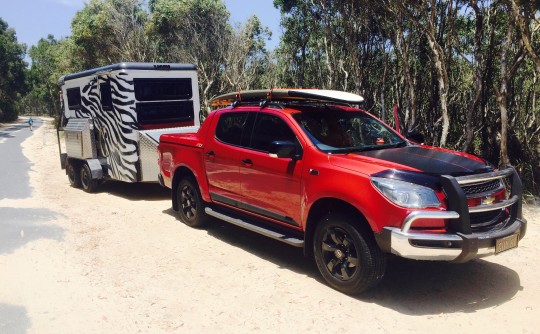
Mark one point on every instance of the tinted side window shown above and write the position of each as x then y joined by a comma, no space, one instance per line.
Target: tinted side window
164,112
106,96
74,97
269,128
230,126
163,89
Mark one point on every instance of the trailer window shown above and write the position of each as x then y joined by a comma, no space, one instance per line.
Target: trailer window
165,112
74,97
106,96
163,89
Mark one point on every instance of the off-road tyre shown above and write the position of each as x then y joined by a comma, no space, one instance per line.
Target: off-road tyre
73,174
190,203
347,255
88,184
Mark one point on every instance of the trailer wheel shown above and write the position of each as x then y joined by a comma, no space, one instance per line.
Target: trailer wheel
347,256
73,172
190,203
87,182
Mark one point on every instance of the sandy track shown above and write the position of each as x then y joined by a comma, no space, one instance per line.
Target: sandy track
119,261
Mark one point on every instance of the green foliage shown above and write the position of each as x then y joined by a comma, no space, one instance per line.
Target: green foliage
111,31
382,50
12,72
50,59
245,58
391,52
91,34
193,31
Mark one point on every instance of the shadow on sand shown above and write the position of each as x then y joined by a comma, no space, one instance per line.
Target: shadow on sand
409,287
135,191
20,226
13,319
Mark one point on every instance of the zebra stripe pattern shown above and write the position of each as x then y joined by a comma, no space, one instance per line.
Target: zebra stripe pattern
116,129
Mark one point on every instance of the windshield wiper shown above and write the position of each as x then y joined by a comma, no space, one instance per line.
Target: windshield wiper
346,150
373,147
358,149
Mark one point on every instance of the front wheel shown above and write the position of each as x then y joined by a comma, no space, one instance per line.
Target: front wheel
347,257
190,203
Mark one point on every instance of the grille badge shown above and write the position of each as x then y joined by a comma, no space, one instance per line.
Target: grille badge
488,200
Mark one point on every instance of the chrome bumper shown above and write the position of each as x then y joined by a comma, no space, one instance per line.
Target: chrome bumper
461,244
456,247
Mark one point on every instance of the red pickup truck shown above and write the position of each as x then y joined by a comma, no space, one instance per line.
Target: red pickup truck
308,168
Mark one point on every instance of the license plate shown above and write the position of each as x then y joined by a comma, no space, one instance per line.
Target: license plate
506,243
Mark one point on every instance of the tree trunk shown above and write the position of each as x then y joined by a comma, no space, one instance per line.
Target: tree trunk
477,76
442,81
428,9
507,74
523,21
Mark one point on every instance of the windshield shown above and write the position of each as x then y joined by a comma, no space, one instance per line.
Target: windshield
344,131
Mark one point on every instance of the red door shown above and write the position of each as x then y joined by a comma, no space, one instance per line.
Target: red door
222,157
271,186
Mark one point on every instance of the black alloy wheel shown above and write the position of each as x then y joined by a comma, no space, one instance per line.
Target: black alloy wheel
339,253
190,203
347,255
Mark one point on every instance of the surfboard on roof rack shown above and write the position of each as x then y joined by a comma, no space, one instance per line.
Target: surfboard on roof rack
282,94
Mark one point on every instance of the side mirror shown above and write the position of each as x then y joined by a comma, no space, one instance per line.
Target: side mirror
415,136
284,149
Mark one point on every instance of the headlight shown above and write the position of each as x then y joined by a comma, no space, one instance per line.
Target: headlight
406,194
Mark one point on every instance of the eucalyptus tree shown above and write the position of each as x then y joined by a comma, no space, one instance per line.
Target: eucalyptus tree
245,57
43,76
12,71
511,56
193,31
435,20
299,54
110,31
526,14
50,59
331,44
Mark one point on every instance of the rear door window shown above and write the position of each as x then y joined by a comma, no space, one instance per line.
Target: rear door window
230,128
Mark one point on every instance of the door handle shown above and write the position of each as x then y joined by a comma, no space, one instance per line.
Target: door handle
247,162
210,154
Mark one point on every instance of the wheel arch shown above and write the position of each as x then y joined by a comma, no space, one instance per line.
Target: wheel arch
324,206
77,163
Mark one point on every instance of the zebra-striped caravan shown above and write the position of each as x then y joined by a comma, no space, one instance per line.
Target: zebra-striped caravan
112,118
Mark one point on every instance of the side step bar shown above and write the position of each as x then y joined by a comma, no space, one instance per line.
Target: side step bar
257,229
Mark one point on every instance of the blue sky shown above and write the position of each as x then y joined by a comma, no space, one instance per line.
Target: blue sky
35,19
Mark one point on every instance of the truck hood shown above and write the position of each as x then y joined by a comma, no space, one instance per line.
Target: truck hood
430,160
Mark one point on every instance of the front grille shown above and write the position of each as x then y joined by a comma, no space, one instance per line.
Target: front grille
488,215
486,221
482,188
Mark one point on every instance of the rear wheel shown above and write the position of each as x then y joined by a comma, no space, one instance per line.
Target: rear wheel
347,256
87,182
73,172
190,203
